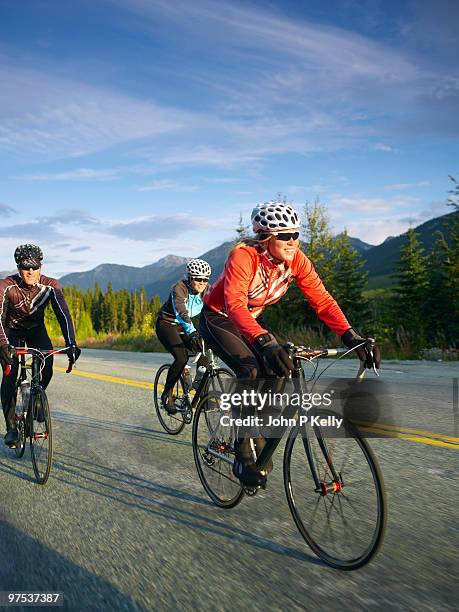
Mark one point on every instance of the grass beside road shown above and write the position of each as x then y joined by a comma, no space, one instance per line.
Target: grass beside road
147,343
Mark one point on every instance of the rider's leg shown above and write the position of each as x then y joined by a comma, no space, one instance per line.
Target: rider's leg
170,337
224,339
8,396
38,338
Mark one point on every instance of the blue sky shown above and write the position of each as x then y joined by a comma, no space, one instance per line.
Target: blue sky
130,129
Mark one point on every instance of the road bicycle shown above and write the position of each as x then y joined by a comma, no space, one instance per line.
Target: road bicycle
185,396
33,416
334,486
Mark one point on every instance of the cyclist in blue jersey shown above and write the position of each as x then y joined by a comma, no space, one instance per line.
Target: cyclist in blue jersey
174,327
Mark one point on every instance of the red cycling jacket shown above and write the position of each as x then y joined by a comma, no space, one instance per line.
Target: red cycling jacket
252,280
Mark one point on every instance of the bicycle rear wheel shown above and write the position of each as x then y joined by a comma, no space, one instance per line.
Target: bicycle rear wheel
342,516
172,423
41,436
19,449
213,453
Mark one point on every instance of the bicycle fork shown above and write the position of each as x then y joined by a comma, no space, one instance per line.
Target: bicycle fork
325,485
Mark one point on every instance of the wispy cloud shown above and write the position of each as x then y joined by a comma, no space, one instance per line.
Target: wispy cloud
168,185
160,227
71,216
61,117
33,231
402,186
79,174
6,210
80,249
368,205
381,146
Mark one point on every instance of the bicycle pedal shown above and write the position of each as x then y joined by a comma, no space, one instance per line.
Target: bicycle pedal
251,491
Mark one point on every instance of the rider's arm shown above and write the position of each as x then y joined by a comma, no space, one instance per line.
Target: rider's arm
313,289
4,288
61,310
179,295
240,270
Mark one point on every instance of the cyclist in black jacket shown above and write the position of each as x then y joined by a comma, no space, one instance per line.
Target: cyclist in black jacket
23,299
174,327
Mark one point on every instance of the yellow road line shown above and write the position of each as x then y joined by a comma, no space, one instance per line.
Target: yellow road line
444,441
400,435
112,379
409,430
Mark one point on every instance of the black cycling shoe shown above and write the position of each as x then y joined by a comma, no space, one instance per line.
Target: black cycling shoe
12,437
168,403
248,474
244,466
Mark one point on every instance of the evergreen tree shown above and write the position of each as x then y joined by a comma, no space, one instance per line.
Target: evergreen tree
349,281
242,230
411,293
438,301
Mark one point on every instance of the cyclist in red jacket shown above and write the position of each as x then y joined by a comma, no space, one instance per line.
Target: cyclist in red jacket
23,299
258,273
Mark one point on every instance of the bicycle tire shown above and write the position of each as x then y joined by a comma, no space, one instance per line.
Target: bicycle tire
19,449
41,437
216,379
20,422
362,482
172,423
215,473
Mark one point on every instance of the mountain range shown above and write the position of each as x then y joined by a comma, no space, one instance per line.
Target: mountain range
157,278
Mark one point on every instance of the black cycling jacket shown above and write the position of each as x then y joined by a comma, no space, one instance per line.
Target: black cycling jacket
22,307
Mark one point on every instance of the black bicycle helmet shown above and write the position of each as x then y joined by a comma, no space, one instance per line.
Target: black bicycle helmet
27,251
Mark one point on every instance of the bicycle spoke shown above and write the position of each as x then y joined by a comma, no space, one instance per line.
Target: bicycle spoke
214,472
343,521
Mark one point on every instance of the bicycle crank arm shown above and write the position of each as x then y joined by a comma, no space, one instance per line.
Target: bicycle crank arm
217,455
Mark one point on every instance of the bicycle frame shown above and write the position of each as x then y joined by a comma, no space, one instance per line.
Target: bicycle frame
209,373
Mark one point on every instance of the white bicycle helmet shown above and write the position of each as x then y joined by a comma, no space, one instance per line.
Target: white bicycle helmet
273,217
198,267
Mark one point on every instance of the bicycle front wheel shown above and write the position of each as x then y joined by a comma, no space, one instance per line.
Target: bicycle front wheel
341,513
41,436
219,380
20,422
213,453
172,423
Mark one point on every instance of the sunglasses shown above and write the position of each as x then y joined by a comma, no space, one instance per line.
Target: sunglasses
199,279
285,236
29,266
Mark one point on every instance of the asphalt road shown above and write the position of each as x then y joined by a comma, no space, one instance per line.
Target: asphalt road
124,523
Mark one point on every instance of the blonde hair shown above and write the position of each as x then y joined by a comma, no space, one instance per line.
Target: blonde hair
255,242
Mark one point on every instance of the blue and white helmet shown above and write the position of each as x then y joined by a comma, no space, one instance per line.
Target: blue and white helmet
198,267
274,217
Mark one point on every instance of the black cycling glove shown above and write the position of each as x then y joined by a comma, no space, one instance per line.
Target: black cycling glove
73,352
351,339
195,342
7,353
274,354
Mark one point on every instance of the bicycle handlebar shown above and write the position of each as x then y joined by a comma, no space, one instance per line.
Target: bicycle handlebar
20,350
302,352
